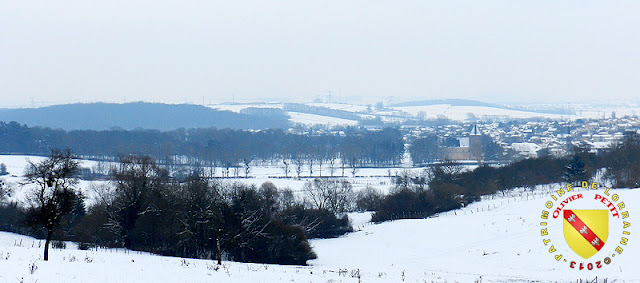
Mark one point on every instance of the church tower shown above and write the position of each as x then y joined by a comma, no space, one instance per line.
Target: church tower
475,143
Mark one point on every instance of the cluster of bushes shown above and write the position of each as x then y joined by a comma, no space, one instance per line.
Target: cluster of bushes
446,187
623,162
148,210
417,197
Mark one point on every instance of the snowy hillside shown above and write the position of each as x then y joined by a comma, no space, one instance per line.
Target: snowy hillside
21,261
495,240
396,114
498,240
462,113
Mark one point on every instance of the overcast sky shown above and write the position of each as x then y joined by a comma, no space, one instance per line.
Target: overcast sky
55,52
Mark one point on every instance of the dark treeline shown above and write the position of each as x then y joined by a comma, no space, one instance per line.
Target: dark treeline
447,187
147,210
103,116
213,147
622,163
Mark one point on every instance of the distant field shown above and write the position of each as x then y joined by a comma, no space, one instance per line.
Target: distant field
452,112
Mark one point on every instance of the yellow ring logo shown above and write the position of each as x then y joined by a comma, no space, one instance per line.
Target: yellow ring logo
594,222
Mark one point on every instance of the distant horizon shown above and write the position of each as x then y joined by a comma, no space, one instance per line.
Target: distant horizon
337,100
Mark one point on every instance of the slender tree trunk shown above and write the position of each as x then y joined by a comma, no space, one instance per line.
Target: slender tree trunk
219,250
46,245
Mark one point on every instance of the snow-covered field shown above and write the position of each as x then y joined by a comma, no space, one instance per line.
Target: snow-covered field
17,164
495,240
238,107
453,112
380,178
461,113
312,119
20,261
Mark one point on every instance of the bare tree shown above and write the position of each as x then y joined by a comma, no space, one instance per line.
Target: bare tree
332,166
369,199
287,199
354,170
4,191
299,165
333,195
135,179
247,222
320,162
247,166
55,194
3,169
310,166
199,216
236,171
285,167
446,171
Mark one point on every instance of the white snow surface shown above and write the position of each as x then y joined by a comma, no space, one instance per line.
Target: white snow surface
16,167
525,147
342,106
461,113
313,119
299,118
495,240
453,112
238,107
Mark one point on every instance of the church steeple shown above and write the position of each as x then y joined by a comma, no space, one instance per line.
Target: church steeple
474,131
475,144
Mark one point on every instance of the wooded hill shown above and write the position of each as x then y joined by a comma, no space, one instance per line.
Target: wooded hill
129,116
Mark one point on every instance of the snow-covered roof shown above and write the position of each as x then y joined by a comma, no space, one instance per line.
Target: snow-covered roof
525,147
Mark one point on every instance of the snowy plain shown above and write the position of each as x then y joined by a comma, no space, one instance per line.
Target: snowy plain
379,178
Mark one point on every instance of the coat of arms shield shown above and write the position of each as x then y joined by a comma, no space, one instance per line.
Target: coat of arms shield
586,230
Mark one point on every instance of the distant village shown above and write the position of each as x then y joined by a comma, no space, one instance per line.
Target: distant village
529,139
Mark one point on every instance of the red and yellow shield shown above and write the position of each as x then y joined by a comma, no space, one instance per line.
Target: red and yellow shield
586,230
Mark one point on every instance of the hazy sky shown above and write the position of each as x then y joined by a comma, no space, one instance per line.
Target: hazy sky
190,51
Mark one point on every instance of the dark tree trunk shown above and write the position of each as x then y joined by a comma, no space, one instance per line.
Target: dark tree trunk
218,249
46,245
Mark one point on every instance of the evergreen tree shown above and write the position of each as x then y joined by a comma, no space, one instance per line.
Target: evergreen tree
575,170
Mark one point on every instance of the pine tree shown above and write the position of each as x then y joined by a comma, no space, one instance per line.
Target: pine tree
575,170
